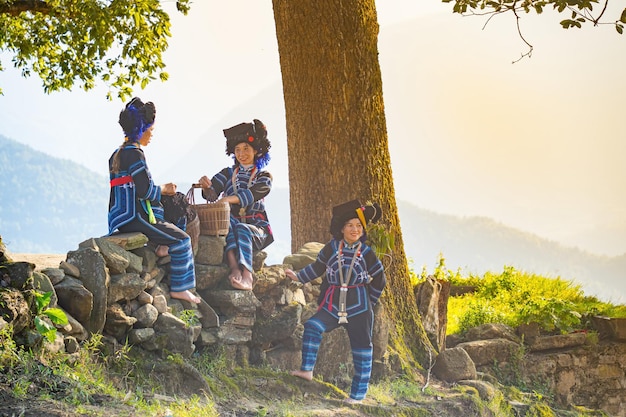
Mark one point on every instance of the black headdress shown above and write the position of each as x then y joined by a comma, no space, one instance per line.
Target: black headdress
353,210
254,134
136,118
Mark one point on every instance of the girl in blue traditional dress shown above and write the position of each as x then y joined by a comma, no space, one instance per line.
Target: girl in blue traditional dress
244,186
135,200
353,282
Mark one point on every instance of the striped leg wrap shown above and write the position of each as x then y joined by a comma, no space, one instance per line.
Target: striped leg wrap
362,359
311,340
182,273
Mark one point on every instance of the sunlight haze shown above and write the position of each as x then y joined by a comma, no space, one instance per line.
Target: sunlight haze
537,145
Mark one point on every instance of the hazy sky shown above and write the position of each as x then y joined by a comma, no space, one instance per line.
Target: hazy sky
537,145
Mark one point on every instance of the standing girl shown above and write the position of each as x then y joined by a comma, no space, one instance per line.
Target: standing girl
354,280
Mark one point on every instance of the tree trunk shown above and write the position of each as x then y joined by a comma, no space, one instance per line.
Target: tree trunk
337,137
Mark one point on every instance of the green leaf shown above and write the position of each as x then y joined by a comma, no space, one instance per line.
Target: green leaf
623,17
42,299
56,316
45,329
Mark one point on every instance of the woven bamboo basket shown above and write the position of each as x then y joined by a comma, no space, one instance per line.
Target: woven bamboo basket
193,230
214,217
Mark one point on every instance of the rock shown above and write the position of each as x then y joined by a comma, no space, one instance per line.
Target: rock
14,309
179,336
125,287
95,277
42,283
485,352
453,365
128,241
210,250
75,299
69,269
491,331
561,341
210,276
146,316
55,275
486,391
117,322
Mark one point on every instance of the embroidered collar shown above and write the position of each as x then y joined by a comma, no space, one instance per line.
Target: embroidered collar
350,246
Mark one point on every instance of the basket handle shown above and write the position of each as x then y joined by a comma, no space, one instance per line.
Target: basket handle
191,195
191,199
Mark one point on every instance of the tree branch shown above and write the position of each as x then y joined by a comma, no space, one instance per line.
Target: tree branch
19,6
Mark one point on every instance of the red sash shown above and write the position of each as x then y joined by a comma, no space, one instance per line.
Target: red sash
121,180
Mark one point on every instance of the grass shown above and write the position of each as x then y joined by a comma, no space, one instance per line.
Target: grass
119,379
514,297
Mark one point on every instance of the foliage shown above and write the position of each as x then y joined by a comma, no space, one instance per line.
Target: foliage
441,272
190,317
515,297
45,317
582,11
68,42
579,12
382,241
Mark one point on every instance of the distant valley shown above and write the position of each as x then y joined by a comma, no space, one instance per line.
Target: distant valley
50,205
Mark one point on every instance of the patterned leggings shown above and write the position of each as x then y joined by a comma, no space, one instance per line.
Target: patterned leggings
244,238
182,272
359,329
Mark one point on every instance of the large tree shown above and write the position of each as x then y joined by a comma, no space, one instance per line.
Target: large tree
337,136
71,43
337,139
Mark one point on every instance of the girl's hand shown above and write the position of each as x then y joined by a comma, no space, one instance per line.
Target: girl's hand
205,182
291,274
168,189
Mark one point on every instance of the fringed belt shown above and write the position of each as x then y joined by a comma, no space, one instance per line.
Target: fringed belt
330,292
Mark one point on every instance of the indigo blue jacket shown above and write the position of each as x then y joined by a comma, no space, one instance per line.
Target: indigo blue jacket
128,201
365,285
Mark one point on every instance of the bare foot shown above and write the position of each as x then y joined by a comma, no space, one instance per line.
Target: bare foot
161,251
308,375
186,296
247,278
238,282
352,401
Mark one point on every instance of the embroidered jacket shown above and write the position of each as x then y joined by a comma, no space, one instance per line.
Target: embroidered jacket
127,200
365,285
251,186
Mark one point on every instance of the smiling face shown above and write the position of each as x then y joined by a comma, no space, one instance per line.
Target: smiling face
352,230
244,154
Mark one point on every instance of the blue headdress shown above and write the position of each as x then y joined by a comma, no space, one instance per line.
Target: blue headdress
136,118
254,134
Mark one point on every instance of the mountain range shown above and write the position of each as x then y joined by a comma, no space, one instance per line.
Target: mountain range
50,205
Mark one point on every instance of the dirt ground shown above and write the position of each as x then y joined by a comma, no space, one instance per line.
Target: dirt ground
41,261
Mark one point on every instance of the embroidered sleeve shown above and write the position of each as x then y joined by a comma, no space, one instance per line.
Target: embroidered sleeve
377,272
219,182
146,189
260,187
317,268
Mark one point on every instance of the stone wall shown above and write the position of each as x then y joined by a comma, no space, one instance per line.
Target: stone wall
117,286
578,369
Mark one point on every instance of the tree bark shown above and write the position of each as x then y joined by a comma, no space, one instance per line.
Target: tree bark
337,137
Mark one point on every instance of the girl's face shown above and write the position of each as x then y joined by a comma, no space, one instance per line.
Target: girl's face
244,154
145,139
352,230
